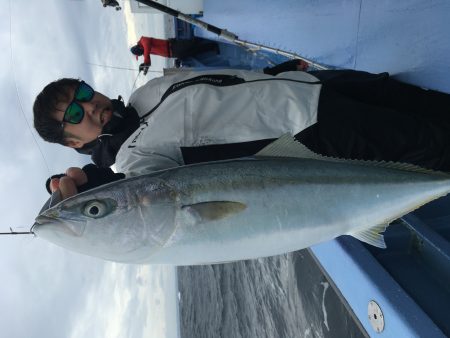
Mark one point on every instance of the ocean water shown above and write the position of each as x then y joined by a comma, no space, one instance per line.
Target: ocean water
281,296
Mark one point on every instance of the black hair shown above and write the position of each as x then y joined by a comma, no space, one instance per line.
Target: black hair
44,108
137,50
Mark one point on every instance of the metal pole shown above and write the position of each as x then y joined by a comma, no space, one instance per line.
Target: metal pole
223,33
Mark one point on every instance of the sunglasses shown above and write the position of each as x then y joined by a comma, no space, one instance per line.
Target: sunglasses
75,112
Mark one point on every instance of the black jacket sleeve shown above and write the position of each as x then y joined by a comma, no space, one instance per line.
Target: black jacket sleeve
287,66
98,176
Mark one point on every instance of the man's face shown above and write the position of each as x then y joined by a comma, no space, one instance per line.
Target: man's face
97,112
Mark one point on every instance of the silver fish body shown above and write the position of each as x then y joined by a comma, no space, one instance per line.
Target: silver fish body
233,210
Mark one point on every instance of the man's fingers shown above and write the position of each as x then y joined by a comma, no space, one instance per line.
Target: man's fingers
67,187
77,175
54,184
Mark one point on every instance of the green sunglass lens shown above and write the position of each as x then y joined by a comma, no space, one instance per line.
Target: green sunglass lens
74,113
84,92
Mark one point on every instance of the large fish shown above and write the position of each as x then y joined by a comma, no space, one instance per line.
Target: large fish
284,199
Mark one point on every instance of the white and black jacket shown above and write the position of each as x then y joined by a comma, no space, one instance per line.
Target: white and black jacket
198,113
202,114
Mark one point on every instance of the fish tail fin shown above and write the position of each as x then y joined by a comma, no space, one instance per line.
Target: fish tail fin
372,236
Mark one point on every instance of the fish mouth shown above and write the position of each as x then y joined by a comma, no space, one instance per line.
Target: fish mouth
43,220
49,223
49,219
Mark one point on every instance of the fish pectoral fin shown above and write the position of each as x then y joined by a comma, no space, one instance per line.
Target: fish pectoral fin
214,210
372,236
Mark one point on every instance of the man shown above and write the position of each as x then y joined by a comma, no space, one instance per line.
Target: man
171,48
203,116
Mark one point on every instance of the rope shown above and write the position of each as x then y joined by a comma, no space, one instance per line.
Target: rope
116,67
17,89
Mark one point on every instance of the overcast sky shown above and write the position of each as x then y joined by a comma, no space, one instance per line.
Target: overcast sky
47,291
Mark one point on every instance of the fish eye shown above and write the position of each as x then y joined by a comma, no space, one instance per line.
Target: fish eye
95,209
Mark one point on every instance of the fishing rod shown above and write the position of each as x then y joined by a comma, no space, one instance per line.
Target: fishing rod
19,99
223,33
135,80
115,67
12,232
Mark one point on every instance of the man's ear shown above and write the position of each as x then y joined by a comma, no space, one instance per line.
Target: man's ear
73,142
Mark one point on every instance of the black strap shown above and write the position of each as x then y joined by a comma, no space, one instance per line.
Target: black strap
226,151
217,152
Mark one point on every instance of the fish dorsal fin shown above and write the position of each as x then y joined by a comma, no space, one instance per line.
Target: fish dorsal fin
288,146
372,236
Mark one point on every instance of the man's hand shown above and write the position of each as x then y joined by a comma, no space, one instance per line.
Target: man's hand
77,180
68,185
143,67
